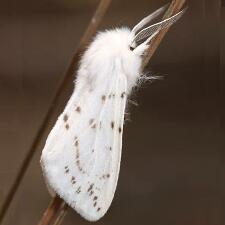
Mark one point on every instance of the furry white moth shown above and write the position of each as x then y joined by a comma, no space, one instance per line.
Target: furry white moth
81,157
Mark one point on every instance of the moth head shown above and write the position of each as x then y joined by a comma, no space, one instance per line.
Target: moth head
142,36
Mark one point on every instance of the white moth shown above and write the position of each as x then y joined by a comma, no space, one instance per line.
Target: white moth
81,157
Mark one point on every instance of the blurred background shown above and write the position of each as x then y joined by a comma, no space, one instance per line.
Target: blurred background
173,165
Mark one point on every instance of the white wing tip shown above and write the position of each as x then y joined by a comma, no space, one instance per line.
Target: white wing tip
89,215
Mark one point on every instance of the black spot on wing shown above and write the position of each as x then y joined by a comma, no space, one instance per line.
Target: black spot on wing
67,126
65,117
122,95
73,181
112,124
92,123
90,187
78,109
78,190
66,169
103,98
120,129
78,157
79,166
104,176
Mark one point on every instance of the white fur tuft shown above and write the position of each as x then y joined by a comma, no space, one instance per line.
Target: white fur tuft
110,53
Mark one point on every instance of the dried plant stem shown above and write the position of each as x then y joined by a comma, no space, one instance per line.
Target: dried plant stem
51,211
56,210
61,214
91,29
174,7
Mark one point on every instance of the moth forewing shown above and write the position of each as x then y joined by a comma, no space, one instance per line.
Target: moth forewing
82,156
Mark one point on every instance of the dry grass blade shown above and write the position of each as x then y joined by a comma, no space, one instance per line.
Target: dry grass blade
91,29
51,211
54,213
61,214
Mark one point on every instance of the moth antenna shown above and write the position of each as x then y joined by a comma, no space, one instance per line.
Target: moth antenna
149,31
140,49
149,18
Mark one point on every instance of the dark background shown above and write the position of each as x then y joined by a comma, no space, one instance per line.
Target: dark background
172,170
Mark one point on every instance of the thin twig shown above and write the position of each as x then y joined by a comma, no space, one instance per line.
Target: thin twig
174,7
91,29
61,215
51,211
